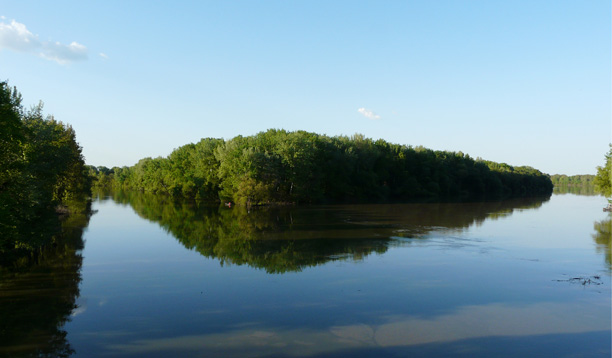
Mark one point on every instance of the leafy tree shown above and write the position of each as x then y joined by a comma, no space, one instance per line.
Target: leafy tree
41,170
12,134
54,157
277,166
603,179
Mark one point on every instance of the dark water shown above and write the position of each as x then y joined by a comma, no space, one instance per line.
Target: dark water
155,278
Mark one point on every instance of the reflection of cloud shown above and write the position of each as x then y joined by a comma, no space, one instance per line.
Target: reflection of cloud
15,36
81,306
468,322
360,333
243,343
78,310
493,320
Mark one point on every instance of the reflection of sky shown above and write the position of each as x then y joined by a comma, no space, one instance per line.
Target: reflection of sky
566,221
147,294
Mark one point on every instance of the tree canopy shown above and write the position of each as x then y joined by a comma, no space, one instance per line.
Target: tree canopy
41,169
603,179
278,166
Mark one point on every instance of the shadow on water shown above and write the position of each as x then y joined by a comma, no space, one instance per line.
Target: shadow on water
39,285
284,239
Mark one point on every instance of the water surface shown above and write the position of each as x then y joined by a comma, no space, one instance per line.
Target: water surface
156,278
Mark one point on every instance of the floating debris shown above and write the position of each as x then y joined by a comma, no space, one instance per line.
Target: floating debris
593,280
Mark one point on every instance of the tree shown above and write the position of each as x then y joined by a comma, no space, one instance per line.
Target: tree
53,157
277,166
11,134
603,180
12,183
41,169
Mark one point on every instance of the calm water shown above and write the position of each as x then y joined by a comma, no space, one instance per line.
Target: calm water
526,277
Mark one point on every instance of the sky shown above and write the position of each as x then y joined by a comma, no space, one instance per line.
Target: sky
518,82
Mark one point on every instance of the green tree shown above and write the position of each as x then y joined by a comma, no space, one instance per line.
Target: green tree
277,166
12,136
41,169
603,179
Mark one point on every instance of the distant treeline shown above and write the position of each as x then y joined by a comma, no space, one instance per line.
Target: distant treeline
41,171
277,166
573,180
574,184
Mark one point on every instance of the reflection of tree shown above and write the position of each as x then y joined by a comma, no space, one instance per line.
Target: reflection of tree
588,190
39,290
603,238
282,239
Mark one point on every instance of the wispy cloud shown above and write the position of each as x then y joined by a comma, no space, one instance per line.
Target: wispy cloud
368,114
103,55
15,36
61,53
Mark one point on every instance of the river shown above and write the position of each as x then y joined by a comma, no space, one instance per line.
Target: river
157,278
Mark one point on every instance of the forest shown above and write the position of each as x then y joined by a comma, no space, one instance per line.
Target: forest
573,180
43,175
574,184
277,166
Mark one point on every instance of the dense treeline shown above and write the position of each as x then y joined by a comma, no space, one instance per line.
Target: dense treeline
41,171
573,180
277,166
574,184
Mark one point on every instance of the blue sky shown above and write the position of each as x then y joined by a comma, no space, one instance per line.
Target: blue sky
520,82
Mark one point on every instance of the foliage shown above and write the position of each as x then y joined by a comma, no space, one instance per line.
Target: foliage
277,166
573,184
41,169
603,179
572,180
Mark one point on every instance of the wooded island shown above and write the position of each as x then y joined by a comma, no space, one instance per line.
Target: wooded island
278,166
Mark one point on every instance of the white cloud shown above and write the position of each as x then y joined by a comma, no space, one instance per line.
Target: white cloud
103,55
368,114
15,36
64,53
